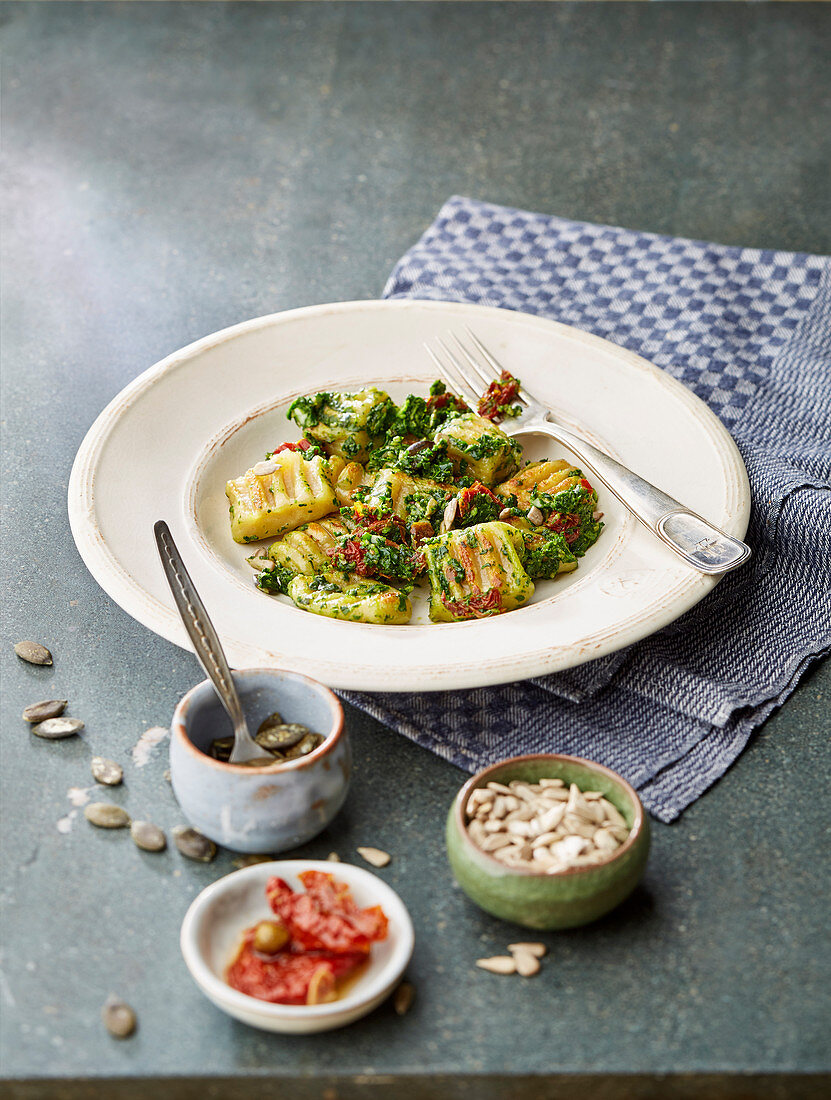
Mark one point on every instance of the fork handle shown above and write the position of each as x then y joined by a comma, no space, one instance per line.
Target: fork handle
698,542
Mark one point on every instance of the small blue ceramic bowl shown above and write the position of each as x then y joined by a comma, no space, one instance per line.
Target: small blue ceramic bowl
269,809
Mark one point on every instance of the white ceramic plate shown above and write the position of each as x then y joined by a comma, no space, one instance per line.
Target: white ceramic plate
164,448
217,916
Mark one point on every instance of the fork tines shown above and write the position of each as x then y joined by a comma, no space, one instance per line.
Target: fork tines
457,369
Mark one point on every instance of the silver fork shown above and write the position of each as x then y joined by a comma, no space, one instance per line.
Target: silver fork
698,542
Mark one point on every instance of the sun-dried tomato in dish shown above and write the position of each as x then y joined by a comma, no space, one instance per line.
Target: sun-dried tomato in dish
320,939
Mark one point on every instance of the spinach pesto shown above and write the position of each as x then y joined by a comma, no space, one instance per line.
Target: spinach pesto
378,498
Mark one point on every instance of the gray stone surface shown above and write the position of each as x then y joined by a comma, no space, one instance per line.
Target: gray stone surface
171,169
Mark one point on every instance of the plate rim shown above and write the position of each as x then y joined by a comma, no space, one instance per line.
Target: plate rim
129,594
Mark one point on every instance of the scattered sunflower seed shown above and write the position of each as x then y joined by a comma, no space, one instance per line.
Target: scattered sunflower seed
106,815
333,857
499,964
193,845
538,950
403,998
506,514
53,729
106,771
374,856
527,965
147,836
119,1019
49,708
34,653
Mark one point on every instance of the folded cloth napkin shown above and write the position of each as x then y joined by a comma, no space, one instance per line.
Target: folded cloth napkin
749,331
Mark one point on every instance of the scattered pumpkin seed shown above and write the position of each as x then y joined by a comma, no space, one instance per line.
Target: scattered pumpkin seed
374,856
499,964
538,950
270,936
106,771
403,998
49,708
193,845
147,836
106,815
34,653
119,1019
53,729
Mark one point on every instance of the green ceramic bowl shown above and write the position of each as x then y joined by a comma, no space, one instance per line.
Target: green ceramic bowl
538,900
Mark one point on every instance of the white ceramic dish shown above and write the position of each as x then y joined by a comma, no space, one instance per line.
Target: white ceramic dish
166,445
217,916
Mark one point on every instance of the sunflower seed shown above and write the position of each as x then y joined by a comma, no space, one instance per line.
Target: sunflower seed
494,841
34,653
551,829
49,708
333,857
538,950
53,729
262,469
403,998
119,1019
251,861
148,836
106,815
106,771
374,856
527,965
535,516
506,514
193,845
498,964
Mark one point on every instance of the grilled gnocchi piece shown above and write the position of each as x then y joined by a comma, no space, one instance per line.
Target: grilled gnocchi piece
539,477
351,477
477,571
409,497
345,423
357,601
480,447
277,495
303,551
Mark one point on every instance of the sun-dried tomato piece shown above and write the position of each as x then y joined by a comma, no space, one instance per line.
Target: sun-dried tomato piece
289,977
476,606
566,524
497,399
327,921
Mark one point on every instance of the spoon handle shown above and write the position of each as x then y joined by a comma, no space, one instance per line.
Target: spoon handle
198,625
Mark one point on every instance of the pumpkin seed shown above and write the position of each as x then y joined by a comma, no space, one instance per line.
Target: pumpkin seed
498,964
53,729
282,735
538,950
34,653
193,845
106,815
49,708
119,1019
527,965
106,771
221,748
147,836
374,856
403,998
309,743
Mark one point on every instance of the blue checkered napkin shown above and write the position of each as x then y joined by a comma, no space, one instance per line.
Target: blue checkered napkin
749,331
